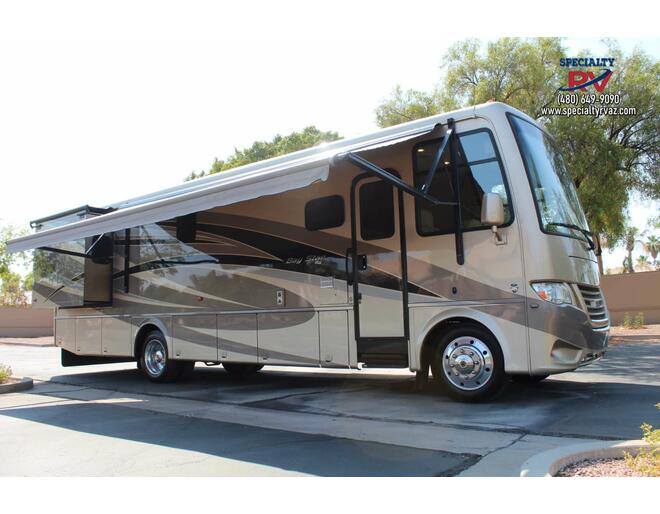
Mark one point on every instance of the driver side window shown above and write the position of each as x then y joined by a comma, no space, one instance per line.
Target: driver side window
479,171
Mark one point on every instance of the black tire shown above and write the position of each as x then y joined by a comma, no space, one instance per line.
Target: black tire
187,370
241,370
489,379
170,370
528,379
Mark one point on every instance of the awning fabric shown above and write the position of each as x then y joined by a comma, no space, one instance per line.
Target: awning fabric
390,142
224,193
268,177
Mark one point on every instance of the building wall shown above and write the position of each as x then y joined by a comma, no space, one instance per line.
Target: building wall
25,322
633,293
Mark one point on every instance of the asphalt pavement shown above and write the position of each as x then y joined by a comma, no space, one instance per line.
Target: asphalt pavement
108,420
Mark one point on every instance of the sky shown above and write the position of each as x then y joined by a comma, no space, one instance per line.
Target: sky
95,119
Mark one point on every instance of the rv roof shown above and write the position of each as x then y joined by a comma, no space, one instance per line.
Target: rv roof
271,176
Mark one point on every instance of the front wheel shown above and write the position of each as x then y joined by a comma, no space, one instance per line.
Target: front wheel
468,362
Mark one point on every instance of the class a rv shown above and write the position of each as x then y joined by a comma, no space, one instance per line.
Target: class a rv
454,244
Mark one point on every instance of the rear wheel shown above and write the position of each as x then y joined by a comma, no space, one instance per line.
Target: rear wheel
468,362
241,370
187,370
155,363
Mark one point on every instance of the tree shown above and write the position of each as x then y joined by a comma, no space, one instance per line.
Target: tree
609,156
627,265
630,240
652,246
406,106
260,150
643,263
13,287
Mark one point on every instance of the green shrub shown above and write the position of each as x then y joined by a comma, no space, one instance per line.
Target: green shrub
635,322
647,460
627,320
5,373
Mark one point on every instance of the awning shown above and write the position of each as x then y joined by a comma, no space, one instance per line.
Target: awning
247,182
394,141
224,193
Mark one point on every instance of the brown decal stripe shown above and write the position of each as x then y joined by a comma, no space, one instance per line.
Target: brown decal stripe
287,255
423,277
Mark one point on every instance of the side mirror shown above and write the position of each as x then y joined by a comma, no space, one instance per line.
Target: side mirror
492,210
492,213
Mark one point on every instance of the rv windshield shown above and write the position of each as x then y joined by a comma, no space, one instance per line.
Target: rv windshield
556,200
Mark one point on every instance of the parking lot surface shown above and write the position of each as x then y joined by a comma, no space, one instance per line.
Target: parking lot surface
307,421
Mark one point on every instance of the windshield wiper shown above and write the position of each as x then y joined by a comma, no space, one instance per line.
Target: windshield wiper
587,235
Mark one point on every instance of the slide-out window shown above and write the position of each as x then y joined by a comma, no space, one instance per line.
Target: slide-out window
325,212
74,273
376,210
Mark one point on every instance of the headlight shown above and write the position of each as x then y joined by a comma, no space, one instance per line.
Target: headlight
554,292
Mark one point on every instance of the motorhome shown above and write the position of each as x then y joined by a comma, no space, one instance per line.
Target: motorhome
453,244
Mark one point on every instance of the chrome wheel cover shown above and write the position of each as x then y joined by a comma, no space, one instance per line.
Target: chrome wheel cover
467,363
155,357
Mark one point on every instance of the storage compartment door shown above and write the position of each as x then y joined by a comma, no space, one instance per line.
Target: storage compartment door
65,334
116,333
333,329
288,338
88,336
195,337
237,338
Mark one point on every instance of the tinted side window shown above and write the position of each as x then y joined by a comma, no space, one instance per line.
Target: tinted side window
479,172
186,228
326,212
376,211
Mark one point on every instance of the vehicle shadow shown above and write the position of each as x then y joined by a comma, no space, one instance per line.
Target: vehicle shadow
236,445
608,399
571,406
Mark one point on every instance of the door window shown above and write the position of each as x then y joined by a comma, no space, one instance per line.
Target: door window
376,211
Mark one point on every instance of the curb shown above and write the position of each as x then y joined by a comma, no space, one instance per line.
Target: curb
13,387
548,463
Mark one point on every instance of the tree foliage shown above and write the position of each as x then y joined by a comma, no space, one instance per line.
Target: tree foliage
610,157
260,150
652,247
13,287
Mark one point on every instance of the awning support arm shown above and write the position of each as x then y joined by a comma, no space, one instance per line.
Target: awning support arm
89,250
438,157
422,193
390,178
65,252
86,255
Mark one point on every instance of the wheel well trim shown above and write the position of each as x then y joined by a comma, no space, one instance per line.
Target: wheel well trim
438,322
146,325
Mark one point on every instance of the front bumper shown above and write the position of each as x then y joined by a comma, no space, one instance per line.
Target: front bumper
591,357
551,355
563,338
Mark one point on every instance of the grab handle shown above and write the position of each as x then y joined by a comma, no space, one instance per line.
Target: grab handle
349,268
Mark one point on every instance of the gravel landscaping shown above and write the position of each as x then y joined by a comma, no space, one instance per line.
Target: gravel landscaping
623,335
599,468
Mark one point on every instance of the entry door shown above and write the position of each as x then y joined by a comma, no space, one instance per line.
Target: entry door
379,292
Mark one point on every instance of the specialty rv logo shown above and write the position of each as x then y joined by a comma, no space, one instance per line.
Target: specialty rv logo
579,79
